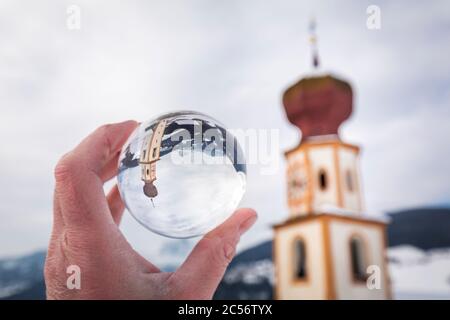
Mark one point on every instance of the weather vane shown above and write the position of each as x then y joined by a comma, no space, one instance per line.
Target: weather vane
313,43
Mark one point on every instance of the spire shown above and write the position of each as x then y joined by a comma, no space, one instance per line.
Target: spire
313,43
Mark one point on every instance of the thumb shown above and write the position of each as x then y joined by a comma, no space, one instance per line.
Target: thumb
199,276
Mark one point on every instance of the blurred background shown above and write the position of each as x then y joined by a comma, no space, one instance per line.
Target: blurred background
231,60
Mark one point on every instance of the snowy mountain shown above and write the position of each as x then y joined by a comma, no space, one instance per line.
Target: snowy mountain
22,278
424,228
249,276
419,263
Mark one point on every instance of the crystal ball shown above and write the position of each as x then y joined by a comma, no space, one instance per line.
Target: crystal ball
181,174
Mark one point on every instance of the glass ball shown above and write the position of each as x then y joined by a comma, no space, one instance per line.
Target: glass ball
181,174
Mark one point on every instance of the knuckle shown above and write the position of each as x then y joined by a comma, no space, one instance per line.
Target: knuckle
221,251
76,242
64,169
229,250
104,133
103,130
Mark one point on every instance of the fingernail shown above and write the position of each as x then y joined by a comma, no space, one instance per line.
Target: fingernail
244,226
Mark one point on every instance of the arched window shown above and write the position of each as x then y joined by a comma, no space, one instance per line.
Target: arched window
323,179
349,180
357,255
299,259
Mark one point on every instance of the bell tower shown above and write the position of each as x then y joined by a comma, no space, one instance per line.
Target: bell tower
322,172
326,249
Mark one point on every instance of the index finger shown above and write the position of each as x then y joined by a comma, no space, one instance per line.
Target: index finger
79,186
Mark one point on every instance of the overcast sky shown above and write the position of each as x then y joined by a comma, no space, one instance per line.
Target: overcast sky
231,60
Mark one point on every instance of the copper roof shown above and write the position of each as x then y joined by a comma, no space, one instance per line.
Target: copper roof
318,105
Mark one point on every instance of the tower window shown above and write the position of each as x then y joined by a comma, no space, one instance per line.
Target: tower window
357,255
349,180
299,259
323,179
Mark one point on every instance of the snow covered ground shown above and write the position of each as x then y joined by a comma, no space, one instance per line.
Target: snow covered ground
415,273
419,274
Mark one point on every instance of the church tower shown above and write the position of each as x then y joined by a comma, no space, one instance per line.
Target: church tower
326,249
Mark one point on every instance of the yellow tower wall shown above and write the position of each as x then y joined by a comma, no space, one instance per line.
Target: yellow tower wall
314,285
373,236
339,163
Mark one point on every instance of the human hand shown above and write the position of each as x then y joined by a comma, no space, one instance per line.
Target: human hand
86,234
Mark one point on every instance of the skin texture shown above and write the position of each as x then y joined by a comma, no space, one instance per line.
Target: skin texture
86,233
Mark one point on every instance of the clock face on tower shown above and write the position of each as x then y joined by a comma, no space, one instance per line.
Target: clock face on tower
297,182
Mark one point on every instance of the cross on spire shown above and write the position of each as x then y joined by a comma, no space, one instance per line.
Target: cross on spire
313,43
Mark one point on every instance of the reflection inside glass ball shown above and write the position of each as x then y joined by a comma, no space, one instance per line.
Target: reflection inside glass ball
181,174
